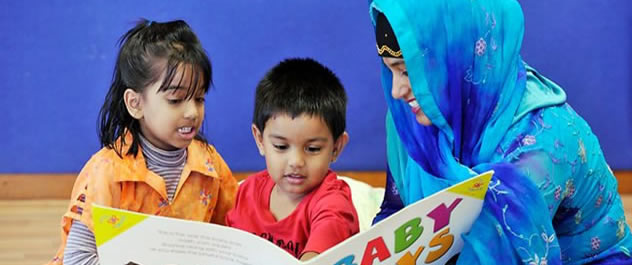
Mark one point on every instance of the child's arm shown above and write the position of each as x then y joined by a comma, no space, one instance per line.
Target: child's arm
80,246
91,185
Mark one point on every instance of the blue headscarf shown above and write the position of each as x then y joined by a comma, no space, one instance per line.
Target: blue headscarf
463,62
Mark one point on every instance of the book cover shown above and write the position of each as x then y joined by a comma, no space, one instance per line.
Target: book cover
426,232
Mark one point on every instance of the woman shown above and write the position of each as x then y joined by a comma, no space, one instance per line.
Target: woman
462,101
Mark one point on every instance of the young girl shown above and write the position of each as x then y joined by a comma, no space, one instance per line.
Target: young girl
154,159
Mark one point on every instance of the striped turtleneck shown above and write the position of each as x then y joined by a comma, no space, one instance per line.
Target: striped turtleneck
167,164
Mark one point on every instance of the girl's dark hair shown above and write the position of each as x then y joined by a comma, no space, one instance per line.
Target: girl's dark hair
299,86
146,52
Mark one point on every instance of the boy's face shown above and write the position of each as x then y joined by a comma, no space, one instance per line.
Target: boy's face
297,152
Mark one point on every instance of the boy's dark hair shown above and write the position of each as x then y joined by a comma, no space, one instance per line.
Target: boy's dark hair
143,51
301,86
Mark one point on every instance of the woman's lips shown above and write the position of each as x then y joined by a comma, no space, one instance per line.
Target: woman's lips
414,105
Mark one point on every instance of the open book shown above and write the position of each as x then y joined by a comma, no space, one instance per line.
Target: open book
426,232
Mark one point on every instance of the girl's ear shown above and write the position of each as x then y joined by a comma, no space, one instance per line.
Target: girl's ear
133,103
256,134
339,145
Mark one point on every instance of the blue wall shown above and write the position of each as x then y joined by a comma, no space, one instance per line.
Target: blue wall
57,60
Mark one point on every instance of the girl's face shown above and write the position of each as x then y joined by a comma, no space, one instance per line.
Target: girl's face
402,89
168,119
298,152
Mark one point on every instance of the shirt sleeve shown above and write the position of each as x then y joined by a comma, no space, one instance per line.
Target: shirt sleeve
96,187
334,219
575,211
564,160
80,246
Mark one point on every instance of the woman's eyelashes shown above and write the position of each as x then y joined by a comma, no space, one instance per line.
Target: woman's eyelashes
401,72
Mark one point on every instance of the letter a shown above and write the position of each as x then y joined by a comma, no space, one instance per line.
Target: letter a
381,252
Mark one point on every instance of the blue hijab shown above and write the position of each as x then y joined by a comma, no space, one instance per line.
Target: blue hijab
463,62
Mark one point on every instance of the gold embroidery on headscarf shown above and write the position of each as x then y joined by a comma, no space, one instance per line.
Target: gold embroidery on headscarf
385,48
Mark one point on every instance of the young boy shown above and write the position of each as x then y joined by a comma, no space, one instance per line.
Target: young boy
299,126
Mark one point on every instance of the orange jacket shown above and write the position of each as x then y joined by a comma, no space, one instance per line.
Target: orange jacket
206,191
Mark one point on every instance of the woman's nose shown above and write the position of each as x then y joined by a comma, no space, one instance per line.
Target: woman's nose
400,88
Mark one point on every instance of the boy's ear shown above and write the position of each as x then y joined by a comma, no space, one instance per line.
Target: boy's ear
133,103
339,145
256,134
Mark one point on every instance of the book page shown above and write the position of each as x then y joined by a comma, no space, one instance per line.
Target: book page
125,237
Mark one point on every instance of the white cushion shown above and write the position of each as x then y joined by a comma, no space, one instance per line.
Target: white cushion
366,199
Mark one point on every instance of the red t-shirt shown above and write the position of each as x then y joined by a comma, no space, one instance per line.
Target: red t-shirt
324,218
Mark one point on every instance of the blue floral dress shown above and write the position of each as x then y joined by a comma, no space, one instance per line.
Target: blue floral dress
553,198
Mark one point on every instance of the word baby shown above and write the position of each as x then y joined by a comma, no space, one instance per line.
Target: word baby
407,234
